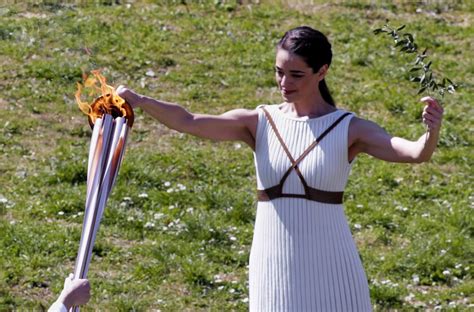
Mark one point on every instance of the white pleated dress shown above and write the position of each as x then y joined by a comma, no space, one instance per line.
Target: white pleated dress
303,256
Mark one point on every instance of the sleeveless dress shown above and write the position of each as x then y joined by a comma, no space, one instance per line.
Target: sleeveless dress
303,256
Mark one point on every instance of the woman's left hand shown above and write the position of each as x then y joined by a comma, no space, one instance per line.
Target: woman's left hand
432,113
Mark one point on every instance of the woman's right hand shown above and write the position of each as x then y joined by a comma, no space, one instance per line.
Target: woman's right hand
129,96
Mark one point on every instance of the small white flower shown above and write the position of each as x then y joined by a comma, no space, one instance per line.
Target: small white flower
158,215
237,146
3,200
425,215
12,222
143,195
360,206
61,213
170,190
446,272
127,199
233,238
150,73
443,252
149,225
452,304
220,287
458,266
181,187
232,290
410,297
245,300
130,219
398,180
171,207
190,210
357,226
167,183
415,279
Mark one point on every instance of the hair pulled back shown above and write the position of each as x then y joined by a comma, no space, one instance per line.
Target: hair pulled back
315,49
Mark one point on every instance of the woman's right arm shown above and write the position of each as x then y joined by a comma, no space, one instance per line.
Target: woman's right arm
234,125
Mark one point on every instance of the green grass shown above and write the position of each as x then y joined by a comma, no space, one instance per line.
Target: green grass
178,226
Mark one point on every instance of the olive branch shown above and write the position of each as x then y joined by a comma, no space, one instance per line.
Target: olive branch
420,72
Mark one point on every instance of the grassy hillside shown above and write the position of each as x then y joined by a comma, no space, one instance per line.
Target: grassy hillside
177,230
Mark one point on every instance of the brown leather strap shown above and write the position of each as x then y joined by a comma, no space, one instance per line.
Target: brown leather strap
310,193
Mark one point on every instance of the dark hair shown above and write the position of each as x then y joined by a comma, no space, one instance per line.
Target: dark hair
314,48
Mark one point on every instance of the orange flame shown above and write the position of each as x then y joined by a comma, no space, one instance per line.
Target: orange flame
108,102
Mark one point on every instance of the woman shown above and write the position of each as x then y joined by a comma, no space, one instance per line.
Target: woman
75,292
303,257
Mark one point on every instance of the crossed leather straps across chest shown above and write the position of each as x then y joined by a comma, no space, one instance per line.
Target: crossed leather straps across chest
310,193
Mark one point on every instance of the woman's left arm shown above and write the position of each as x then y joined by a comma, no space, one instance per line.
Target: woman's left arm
367,137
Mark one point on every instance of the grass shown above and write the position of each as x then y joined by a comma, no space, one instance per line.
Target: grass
178,226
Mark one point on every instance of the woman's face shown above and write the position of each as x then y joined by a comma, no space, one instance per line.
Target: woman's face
295,79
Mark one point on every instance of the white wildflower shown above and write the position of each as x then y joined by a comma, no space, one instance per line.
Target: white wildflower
425,215
233,238
416,279
190,210
360,206
12,222
220,287
170,190
150,73
158,215
237,146
130,218
410,297
458,266
446,272
167,184
232,290
61,213
357,226
3,200
443,252
171,207
149,225
143,195
245,300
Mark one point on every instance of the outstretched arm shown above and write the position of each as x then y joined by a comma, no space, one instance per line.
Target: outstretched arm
367,137
234,125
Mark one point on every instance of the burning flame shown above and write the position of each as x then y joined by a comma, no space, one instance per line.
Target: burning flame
109,102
